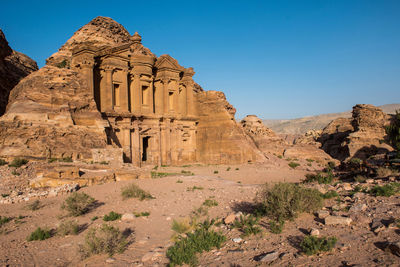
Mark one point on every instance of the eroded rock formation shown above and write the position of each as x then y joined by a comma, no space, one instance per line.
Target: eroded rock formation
359,137
13,67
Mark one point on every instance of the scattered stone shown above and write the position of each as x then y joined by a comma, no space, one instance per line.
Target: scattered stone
358,207
237,240
267,257
230,218
314,232
322,214
337,220
127,217
110,260
377,225
347,186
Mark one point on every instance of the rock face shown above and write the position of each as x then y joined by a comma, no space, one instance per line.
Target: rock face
270,143
51,114
264,138
220,139
100,32
359,137
104,95
13,67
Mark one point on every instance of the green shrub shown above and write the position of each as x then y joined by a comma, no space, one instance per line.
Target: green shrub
276,227
4,220
192,189
78,204
330,194
51,160
248,225
202,239
312,244
17,162
112,216
210,203
35,205
94,218
360,178
155,175
3,162
310,160
179,181
385,172
68,228
236,169
107,239
142,214
284,201
293,165
183,226
356,161
39,234
5,195
187,173
134,191
280,156
215,172
320,177
63,64
14,172
386,190
228,169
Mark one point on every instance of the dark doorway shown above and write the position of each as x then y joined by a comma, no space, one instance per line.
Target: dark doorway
145,147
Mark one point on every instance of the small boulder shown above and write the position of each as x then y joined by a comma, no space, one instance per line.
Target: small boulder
358,207
314,232
230,218
337,220
394,248
322,214
267,257
127,217
377,225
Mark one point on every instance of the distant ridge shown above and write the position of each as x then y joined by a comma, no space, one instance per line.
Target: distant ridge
302,125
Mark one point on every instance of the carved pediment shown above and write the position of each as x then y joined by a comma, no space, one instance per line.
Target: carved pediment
168,62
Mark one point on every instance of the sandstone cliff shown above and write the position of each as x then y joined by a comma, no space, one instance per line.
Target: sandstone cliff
51,113
220,140
100,32
13,67
359,137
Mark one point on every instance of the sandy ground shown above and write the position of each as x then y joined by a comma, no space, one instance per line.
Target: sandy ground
233,189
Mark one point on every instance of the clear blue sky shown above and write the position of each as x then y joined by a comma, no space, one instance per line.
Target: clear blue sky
275,59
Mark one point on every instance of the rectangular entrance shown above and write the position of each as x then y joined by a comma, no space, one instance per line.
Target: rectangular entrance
145,148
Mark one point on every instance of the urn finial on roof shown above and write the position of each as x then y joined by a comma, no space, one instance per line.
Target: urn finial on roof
136,38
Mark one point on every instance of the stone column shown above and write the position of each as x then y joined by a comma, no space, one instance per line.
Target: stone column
183,101
108,90
136,101
166,96
151,100
87,69
124,96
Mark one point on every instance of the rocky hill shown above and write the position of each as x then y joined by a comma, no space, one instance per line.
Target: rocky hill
302,125
13,67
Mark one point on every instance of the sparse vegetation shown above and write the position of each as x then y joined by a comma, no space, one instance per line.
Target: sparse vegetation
68,228
3,162
187,173
193,188
385,172
284,201
112,216
183,226
386,190
248,225
280,156
4,220
39,234
78,204
202,239
66,159
310,160
63,64
142,214
236,169
5,195
293,165
393,132
134,191
320,177
14,172
210,203
330,194
35,205
179,181
107,239
215,172
360,178
312,244
276,227
94,218
18,162
228,169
